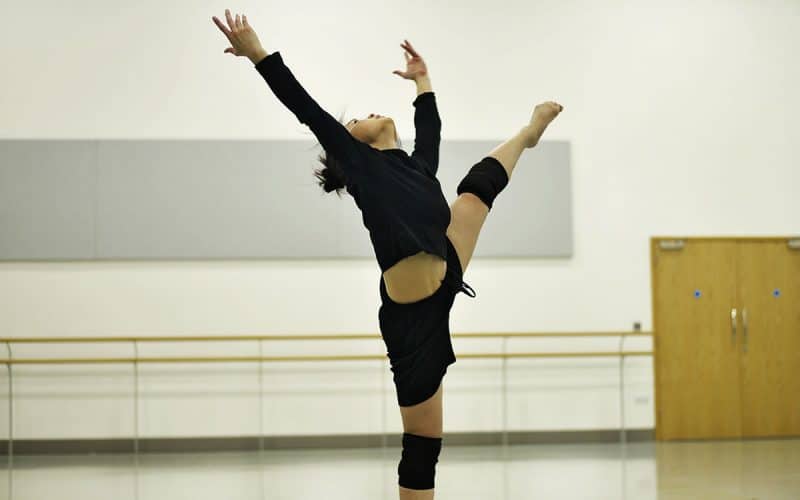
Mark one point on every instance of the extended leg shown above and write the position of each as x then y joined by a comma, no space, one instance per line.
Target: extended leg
508,153
484,182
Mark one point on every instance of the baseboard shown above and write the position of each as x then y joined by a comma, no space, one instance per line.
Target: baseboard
253,443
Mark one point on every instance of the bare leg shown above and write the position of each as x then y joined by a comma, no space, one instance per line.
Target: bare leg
406,494
424,419
508,153
468,212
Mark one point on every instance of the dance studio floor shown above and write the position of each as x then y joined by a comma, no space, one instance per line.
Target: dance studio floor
730,470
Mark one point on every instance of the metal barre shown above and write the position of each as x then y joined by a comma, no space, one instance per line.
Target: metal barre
136,360
257,359
354,336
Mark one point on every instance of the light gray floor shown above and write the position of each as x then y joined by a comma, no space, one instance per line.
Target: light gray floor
764,470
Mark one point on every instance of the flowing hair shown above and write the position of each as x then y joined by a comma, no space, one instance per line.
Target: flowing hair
331,177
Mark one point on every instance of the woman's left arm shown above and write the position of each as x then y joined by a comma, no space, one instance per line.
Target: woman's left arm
423,84
426,115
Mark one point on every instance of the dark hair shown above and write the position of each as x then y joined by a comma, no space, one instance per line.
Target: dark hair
331,177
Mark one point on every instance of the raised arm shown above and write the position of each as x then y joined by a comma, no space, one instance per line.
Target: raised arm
427,123
332,135
428,127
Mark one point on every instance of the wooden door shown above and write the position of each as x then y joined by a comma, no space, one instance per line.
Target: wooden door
769,297
696,354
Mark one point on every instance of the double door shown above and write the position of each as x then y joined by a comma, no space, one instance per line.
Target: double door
726,337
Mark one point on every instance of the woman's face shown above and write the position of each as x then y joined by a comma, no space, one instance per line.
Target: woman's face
371,128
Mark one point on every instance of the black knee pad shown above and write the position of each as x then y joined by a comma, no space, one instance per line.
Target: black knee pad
418,465
485,180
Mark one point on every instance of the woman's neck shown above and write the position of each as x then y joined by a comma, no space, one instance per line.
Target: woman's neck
386,140
390,144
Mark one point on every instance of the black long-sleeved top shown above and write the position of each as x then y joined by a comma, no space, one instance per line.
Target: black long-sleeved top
400,199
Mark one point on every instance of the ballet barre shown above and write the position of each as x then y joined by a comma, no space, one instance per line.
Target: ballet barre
136,361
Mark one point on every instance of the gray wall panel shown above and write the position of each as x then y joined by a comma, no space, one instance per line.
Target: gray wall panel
145,199
532,217
201,199
47,199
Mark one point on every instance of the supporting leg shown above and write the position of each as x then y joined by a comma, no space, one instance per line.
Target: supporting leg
423,420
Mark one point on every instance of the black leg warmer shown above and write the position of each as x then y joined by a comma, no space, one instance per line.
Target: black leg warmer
418,465
485,180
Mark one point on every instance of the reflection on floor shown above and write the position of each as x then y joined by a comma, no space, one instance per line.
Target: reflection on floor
764,470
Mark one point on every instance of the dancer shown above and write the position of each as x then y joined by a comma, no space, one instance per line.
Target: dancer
422,245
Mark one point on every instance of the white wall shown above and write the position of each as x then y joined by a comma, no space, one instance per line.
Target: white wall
683,119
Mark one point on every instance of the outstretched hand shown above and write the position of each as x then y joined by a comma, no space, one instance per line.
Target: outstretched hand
243,39
415,66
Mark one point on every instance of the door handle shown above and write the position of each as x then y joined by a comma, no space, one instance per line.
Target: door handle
733,325
744,332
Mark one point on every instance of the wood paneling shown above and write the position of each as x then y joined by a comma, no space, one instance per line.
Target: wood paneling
717,377
769,295
696,355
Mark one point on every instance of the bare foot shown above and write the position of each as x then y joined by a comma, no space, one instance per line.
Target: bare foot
543,114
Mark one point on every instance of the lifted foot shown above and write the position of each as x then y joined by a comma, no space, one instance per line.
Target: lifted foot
543,114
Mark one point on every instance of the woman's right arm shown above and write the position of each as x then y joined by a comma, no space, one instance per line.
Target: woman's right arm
332,135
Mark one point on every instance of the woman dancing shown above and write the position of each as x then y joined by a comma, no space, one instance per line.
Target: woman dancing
423,246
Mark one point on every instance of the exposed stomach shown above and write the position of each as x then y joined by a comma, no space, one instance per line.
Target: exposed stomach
415,278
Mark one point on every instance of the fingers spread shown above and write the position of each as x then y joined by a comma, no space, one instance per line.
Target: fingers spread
231,23
221,27
411,49
238,22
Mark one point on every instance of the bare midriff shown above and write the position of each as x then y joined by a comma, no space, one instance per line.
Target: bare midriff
415,278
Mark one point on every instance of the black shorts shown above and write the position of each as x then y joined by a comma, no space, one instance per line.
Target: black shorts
417,335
